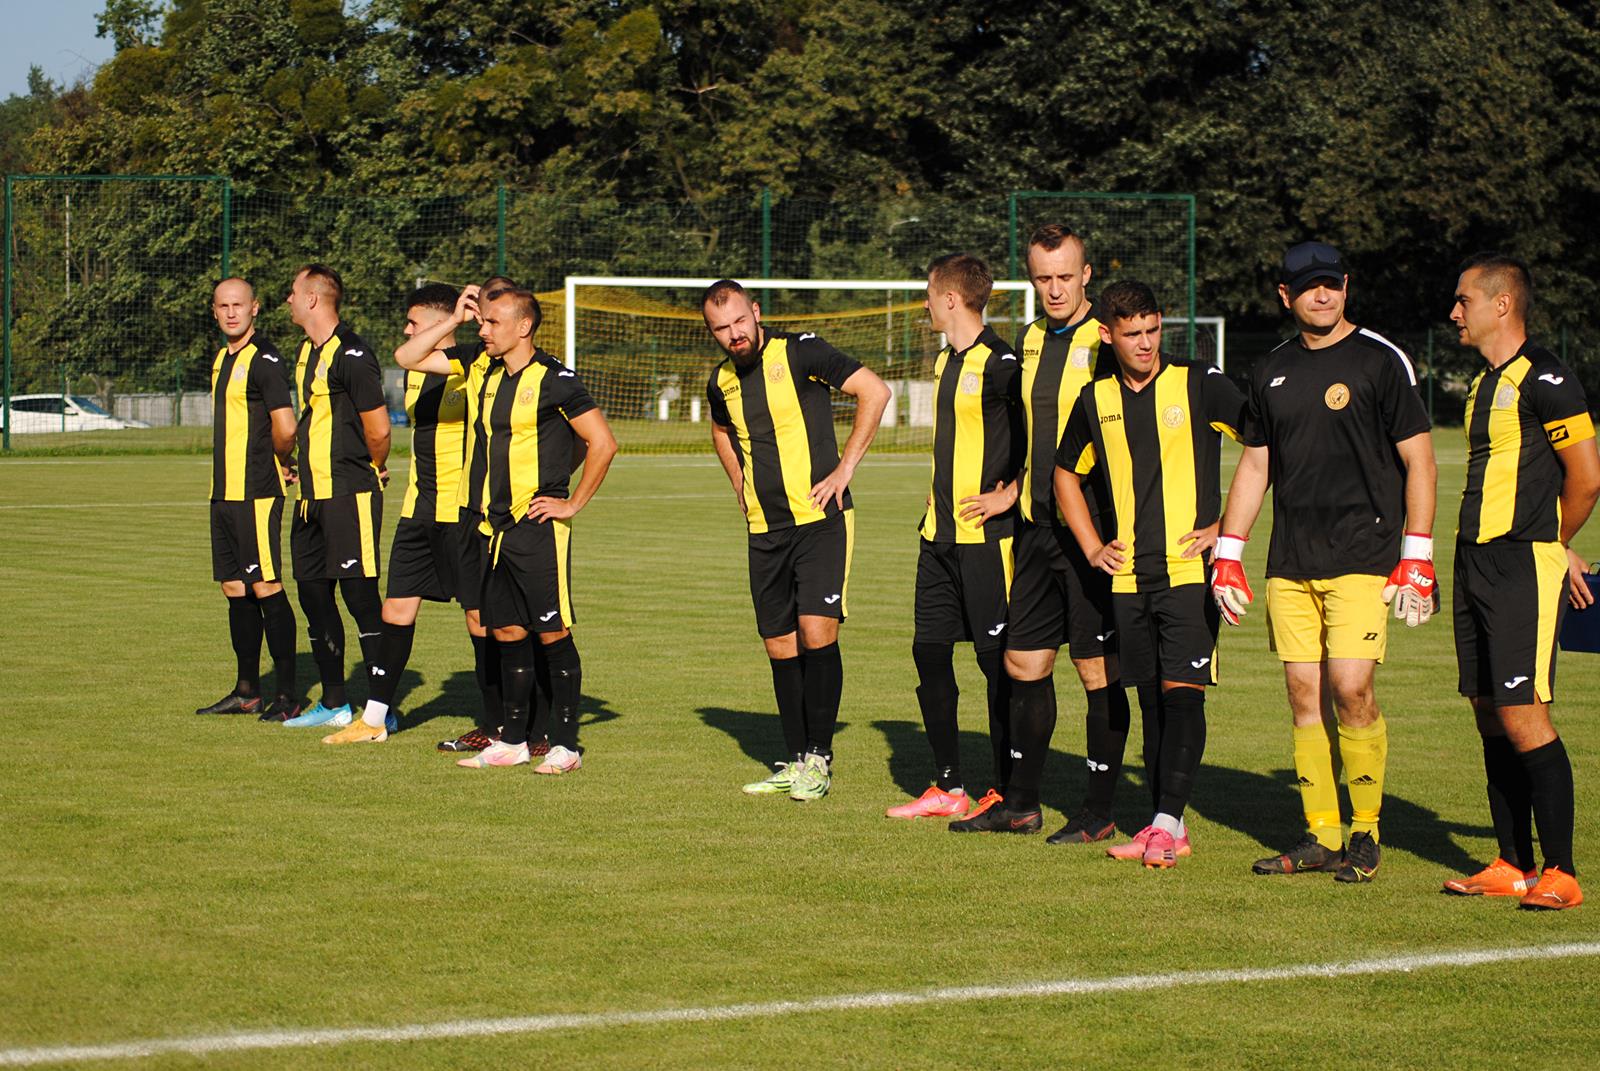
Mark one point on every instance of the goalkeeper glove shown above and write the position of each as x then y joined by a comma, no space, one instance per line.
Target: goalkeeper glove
1412,587
1228,584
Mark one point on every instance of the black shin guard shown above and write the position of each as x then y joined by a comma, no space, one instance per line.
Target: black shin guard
245,630
1152,721
1183,742
566,689
326,629
1033,722
789,688
539,720
277,621
1105,725
1550,784
486,666
361,597
393,653
937,695
516,687
824,685
999,695
1510,802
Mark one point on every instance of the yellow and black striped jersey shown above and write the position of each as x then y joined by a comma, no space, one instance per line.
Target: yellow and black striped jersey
780,410
1518,417
338,380
528,442
1161,450
1057,362
245,388
436,406
978,437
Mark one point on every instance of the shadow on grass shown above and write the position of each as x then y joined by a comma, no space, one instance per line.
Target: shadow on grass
911,765
758,734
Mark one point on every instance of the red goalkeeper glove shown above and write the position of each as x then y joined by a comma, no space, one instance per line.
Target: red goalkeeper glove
1412,587
1228,584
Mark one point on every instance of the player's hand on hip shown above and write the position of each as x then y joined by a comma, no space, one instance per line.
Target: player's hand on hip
1111,557
1199,541
1578,594
979,508
551,509
831,488
1229,586
1412,588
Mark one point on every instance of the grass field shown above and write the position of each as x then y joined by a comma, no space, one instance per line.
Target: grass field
164,876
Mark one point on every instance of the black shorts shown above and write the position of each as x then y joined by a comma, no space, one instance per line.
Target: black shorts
1058,599
1167,635
472,558
334,538
801,570
245,540
423,560
962,593
1508,602
528,577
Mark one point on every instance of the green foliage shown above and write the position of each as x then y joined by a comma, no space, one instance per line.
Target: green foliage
129,23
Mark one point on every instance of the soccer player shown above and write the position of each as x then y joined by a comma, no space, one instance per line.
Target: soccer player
772,428
534,412
1336,425
1532,478
964,561
344,442
252,440
1155,428
1057,598
424,555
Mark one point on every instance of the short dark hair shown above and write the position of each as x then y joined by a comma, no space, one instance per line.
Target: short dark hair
1049,236
1503,274
327,281
966,275
526,303
441,296
497,282
718,293
1126,299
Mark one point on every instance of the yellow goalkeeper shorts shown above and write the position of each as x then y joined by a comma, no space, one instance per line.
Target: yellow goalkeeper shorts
1340,617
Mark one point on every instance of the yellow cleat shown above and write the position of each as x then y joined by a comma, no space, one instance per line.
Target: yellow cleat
357,732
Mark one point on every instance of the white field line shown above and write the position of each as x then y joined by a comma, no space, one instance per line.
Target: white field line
207,1045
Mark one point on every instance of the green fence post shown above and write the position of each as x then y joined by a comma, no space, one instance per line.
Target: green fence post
500,228
1431,376
63,396
227,227
1012,263
766,238
177,394
1193,312
5,436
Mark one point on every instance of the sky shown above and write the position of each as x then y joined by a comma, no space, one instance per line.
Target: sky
57,35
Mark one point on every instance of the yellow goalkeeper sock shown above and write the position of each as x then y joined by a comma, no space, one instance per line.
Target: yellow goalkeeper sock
1366,753
1319,788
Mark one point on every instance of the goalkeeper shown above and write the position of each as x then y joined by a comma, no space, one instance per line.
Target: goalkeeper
1336,426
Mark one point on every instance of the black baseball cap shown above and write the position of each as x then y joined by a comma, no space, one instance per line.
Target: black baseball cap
1309,261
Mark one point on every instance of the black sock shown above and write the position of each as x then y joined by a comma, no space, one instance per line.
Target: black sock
993,665
1033,721
244,629
1510,802
326,629
394,651
566,689
516,688
789,688
1152,720
361,596
539,721
1105,726
824,674
1183,742
937,695
1550,784
486,664
277,621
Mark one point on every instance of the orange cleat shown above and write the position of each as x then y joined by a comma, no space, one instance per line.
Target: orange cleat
934,803
990,799
1499,878
1556,890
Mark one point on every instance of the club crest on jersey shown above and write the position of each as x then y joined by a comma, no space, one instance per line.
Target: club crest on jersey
239,372
1079,357
454,397
322,369
526,396
969,383
1337,397
1172,416
775,373
1505,397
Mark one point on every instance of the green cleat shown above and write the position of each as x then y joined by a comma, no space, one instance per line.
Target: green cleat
813,779
781,781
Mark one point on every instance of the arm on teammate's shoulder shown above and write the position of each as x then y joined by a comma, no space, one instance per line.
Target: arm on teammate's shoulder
600,446
1422,478
722,442
1246,492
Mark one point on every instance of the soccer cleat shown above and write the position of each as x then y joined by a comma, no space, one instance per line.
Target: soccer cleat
1360,859
1085,827
1134,849
1499,878
321,715
781,781
391,722
934,803
1308,855
357,732
1556,890
233,703
283,708
998,819
540,746
499,753
1160,850
471,740
559,760
813,780
991,798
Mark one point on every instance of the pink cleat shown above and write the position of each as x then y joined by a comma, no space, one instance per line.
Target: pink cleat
559,760
934,803
1134,849
499,753
1160,851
